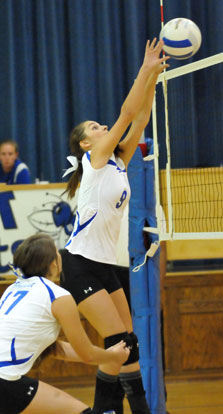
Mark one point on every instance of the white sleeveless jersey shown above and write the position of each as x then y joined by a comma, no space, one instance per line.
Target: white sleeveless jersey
103,196
27,325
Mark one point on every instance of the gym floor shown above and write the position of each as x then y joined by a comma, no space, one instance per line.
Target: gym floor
184,397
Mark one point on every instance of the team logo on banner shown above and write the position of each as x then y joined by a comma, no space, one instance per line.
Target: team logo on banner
26,212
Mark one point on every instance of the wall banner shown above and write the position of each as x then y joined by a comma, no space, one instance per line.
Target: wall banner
32,210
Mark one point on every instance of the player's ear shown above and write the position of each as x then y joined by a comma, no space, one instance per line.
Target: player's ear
85,144
53,270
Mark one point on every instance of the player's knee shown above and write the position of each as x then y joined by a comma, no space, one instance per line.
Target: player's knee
115,339
131,342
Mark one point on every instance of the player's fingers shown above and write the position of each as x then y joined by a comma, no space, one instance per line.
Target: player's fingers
163,66
159,45
121,344
147,46
164,58
153,43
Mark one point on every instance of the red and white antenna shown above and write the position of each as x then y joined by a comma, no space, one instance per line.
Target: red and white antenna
161,13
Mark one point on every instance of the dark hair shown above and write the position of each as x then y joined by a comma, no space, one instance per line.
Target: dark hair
35,254
76,136
11,142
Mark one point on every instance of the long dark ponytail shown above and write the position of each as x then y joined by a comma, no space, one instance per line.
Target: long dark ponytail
77,134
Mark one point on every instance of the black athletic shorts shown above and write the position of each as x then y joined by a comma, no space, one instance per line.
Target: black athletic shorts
15,396
83,277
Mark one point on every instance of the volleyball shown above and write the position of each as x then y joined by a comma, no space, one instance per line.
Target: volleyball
182,38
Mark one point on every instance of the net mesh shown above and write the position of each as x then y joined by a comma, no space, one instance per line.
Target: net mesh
195,116
197,199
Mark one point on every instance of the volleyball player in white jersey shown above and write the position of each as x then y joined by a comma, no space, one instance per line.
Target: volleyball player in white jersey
101,160
32,311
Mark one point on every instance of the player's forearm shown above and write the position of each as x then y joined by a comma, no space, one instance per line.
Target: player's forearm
99,356
135,98
144,112
95,355
64,351
129,144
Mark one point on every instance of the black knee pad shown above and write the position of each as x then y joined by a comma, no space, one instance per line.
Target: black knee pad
87,411
133,345
131,342
114,339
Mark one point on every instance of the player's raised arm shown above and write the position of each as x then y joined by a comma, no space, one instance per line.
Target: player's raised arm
129,144
133,104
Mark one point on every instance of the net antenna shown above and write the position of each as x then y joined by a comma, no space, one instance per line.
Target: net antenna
180,228
159,211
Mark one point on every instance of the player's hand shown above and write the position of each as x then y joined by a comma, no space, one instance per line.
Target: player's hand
120,352
152,59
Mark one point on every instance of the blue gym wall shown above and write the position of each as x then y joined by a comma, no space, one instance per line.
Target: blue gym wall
64,61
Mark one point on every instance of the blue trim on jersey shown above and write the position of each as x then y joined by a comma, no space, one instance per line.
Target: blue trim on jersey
177,43
111,162
13,355
80,226
14,361
52,296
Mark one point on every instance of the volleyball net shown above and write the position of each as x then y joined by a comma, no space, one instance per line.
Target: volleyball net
189,187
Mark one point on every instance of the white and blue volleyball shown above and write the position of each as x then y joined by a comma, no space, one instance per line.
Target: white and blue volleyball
182,38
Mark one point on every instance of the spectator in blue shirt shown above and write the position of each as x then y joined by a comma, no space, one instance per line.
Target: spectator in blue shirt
12,169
